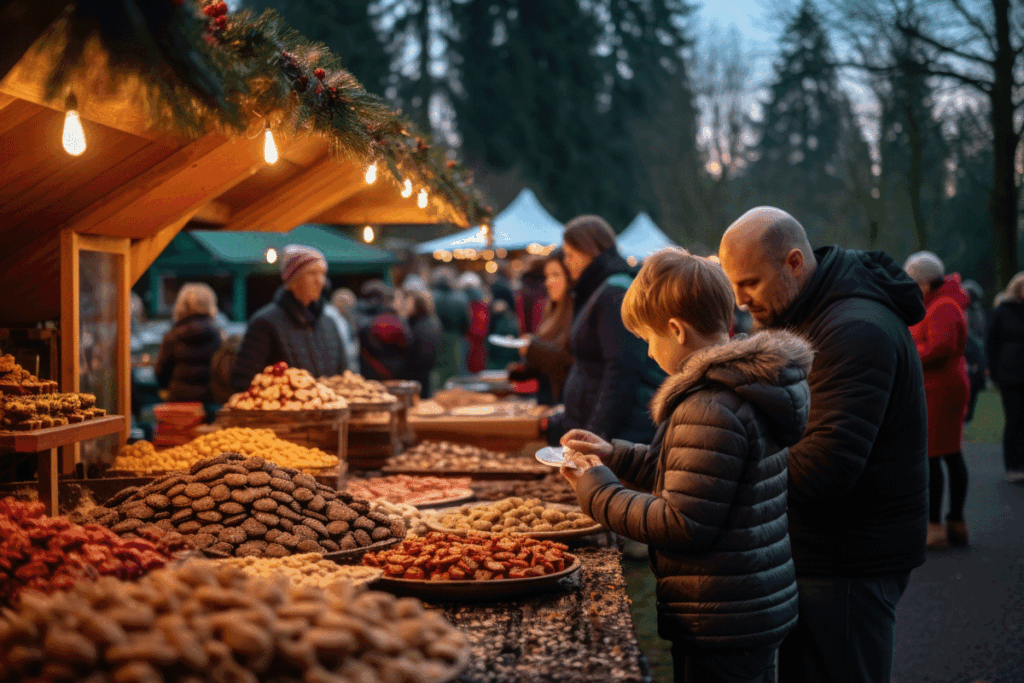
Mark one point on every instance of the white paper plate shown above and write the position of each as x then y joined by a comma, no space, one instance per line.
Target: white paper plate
507,342
553,456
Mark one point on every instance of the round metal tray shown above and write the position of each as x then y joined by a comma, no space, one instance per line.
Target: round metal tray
473,590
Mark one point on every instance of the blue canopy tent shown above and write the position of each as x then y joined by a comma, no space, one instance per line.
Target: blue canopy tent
641,238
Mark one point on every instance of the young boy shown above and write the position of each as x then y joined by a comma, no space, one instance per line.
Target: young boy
715,517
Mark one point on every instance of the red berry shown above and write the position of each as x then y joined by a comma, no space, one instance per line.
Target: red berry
222,21
334,91
210,10
280,365
222,8
451,163
320,73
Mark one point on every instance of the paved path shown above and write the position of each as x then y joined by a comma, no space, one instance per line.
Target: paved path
962,617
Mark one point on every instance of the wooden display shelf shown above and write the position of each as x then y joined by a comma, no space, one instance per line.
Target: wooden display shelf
45,442
496,433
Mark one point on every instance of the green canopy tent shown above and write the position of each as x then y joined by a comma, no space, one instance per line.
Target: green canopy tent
231,257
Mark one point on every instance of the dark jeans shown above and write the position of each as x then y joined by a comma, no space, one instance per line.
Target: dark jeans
697,665
846,631
957,487
1013,434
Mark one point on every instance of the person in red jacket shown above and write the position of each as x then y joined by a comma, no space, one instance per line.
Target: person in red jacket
941,339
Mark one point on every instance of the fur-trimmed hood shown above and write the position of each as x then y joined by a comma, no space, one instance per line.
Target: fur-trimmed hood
769,369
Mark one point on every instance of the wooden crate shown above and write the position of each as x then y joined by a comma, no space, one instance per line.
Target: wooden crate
374,434
408,393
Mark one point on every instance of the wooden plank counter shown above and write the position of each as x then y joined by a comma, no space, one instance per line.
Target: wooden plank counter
498,433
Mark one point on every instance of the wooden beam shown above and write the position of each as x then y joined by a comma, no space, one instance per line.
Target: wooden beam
324,184
383,203
214,212
145,250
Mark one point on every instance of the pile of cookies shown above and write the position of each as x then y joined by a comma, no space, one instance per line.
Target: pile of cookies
17,381
197,622
280,387
238,506
142,456
306,569
448,557
515,515
443,455
357,389
22,413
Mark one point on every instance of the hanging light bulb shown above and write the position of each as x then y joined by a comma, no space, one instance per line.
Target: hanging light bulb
407,189
271,255
269,148
371,174
421,201
367,234
73,136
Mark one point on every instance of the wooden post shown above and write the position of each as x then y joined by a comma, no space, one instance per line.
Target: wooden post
46,473
69,337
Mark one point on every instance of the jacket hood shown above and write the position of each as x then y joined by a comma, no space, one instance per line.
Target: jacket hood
768,369
607,263
950,289
848,273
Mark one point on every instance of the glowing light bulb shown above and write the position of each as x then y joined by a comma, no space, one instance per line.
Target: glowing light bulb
491,267
271,255
367,234
371,174
422,199
269,148
73,136
407,190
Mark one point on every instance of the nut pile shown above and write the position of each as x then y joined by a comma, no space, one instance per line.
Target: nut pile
280,387
20,413
249,507
51,553
141,456
412,516
17,381
402,488
515,515
551,489
448,557
307,569
198,623
443,455
354,388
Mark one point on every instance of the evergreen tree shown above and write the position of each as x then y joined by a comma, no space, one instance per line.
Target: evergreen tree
811,148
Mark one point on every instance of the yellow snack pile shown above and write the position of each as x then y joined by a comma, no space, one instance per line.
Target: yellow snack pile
143,457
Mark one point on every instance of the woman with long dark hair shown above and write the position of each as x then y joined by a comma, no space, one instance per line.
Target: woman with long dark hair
1005,349
547,357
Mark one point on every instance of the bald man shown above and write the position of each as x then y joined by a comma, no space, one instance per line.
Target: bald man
858,480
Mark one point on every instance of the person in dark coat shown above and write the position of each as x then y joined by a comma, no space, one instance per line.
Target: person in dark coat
384,336
858,479
941,340
183,363
611,379
425,332
1005,350
711,488
547,357
453,312
293,328
532,299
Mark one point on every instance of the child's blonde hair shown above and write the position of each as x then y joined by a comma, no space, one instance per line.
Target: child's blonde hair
674,283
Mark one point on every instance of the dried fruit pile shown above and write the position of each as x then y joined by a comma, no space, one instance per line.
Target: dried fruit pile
355,388
551,489
515,515
280,387
141,456
307,569
198,623
249,507
402,488
448,557
51,553
443,455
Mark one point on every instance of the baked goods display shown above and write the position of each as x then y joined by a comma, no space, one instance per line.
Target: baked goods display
446,456
280,387
142,456
551,489
306,569
17,381
233,505
45,554
515,515
41,411
354,388
197,622
402,488
449,557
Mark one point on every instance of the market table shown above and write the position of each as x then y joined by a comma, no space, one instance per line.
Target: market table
498,433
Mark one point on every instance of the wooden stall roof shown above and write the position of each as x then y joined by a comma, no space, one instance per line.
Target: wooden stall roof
144,184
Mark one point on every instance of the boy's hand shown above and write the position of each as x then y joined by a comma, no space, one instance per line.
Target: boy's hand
586,443
582,462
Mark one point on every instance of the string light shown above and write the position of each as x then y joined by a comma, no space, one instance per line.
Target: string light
502,253
367,234
407,190
371,174
73,136
422,199
269,148
491,267
271,255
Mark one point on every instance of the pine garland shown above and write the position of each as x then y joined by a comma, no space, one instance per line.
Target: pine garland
202,65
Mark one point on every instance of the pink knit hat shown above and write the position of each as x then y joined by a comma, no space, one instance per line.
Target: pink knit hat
295,258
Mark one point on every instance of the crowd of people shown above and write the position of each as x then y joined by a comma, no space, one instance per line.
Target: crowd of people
786,482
